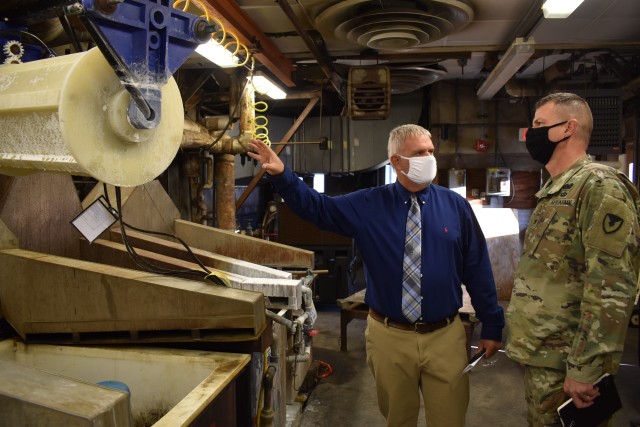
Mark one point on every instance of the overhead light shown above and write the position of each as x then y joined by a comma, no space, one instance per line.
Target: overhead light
265,86
217,54
518,53
555,9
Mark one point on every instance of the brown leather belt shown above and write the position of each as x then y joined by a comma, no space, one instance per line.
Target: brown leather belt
418,327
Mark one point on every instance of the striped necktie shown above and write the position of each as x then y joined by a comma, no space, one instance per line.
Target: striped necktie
411,264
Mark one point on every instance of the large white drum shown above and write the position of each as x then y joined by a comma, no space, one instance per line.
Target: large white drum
69,114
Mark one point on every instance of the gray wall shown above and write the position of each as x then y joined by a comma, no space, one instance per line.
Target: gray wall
456,120
354,145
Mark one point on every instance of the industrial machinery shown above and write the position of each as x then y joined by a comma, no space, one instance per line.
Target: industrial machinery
144,42
114,112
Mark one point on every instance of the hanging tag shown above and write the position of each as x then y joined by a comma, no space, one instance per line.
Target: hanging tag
94,220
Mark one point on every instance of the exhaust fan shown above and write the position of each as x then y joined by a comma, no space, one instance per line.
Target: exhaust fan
369,93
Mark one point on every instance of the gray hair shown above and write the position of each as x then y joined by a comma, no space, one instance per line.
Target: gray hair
398,135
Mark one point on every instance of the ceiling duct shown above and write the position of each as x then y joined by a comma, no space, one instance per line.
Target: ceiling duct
369,93
392,25
408,79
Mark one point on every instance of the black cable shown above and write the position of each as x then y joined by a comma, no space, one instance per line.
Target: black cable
146,265
40,42
143,263
139,261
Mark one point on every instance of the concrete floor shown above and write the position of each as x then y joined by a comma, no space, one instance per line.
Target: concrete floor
347,397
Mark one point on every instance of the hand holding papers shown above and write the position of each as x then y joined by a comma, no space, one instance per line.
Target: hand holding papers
474,361
604,406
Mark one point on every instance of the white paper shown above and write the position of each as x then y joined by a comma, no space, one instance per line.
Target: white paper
93,221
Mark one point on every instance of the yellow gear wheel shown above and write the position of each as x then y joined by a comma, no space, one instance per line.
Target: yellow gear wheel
13,48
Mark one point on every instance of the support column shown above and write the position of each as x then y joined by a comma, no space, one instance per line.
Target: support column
225,191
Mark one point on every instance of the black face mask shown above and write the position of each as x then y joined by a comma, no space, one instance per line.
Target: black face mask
538,144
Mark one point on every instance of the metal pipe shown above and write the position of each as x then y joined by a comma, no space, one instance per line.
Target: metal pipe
231,145
298,358
309,307
246,99
225,191
258,176
300,321
279,319
274,357
298,339
268,414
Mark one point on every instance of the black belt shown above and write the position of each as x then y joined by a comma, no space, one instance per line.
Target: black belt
418,327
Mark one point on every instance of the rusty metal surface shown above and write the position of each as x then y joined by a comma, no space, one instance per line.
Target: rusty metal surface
242,247
62,297
225,191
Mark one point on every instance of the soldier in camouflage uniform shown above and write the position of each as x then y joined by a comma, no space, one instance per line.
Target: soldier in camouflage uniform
576,281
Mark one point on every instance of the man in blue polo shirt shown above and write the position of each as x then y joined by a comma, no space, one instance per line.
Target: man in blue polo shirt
415,340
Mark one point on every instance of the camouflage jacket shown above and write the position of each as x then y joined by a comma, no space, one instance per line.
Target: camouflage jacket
576,281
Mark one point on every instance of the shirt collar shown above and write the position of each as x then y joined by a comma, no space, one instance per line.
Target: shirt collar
405,195
554,185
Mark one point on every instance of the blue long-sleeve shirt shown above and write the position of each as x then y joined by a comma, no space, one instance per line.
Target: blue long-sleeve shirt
454,250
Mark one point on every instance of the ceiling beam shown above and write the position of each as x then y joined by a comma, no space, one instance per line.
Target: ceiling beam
316,46
238,22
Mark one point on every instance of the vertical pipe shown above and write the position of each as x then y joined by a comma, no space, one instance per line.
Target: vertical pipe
247,112
268,414
225,191
241,107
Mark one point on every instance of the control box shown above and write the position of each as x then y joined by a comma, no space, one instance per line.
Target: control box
498,182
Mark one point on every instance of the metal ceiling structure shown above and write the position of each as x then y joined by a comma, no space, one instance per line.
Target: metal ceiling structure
457,39
311,44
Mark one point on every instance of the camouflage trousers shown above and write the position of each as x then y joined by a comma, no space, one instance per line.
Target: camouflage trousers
544,393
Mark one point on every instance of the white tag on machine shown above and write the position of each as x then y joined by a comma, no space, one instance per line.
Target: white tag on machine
94,220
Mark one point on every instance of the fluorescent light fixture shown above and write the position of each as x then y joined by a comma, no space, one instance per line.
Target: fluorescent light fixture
518,53
556,9
265,86
217,54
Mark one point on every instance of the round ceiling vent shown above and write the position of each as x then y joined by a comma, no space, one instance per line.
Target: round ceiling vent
393,40
389,25
408,79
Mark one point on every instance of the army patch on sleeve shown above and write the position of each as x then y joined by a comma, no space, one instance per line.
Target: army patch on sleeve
610,227
611,223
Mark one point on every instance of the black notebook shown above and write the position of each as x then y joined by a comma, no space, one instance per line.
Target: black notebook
604,406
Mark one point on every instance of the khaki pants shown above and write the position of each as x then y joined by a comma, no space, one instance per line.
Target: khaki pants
404,363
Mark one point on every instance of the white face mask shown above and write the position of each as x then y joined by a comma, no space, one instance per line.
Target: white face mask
422,169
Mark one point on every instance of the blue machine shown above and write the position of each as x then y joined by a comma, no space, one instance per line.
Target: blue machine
144,41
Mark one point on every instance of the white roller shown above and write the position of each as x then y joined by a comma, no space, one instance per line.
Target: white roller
69,114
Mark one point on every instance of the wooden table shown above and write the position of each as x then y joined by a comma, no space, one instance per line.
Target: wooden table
354,307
